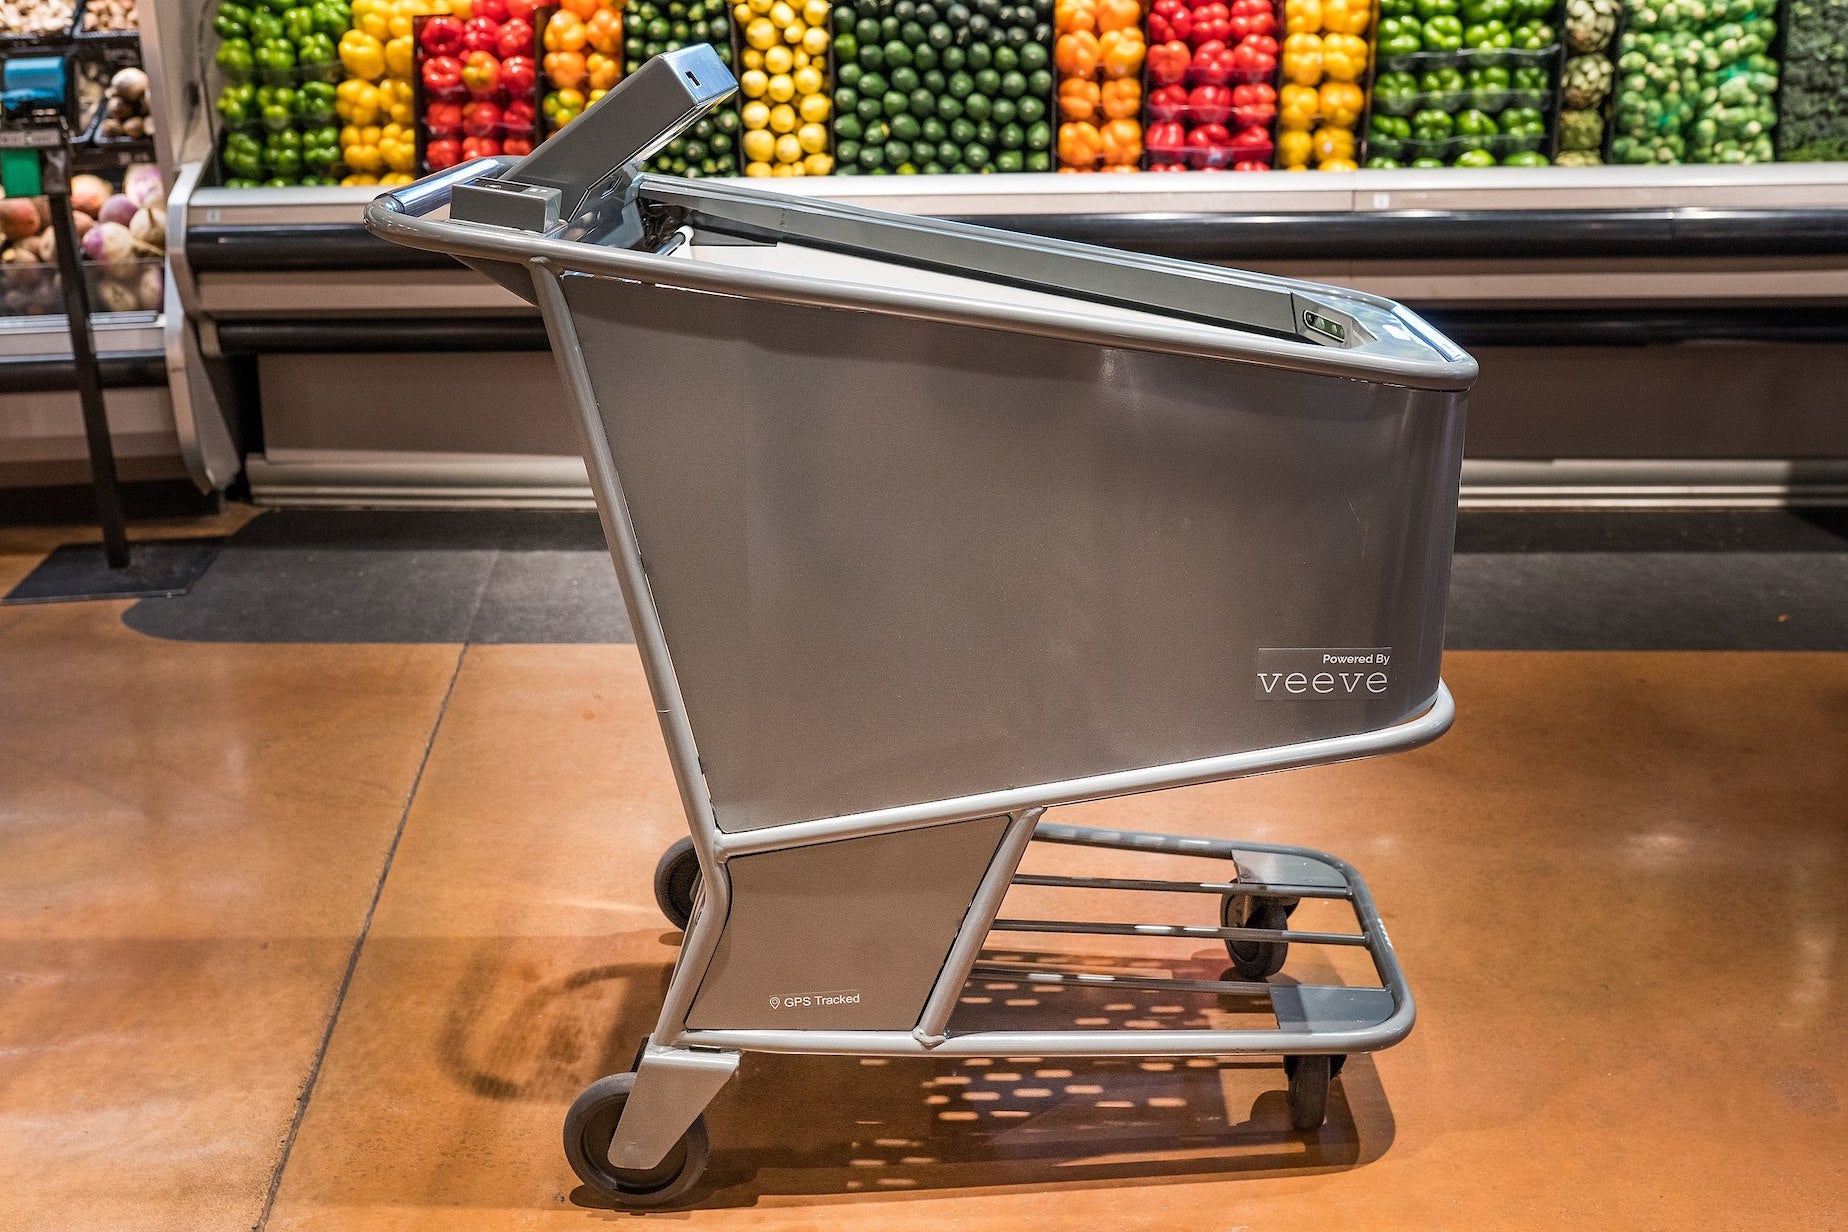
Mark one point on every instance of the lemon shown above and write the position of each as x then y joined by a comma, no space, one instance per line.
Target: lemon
753,58
793,32
781,14
754,83
818,164
761,33
759,6
778,60
757,169
743,13
816,12
814,139
782,118
798,57
814,108
783,171
815,40
782,89
788,149
756,114
759,146
808,80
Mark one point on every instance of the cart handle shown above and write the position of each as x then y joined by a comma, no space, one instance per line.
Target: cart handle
432,192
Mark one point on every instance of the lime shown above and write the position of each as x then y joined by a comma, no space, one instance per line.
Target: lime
905,80
870,157
1030,109
932,168
1013,85
949,108
906,128
847,151
961,85
1003,111
924,56
872,85
1032,56
1013,137
934,81
893,103
1006,59
988,82
934,129
872,57
1039,83
849,75
979,55
1039,160
1010,160
897,54
866,30
878,132
940,36
868,109
923,104
848,128
846,47
977,107
1039,137
976,154
952,59
962,132
897,152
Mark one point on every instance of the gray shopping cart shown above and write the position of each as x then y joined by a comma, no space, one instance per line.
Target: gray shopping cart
1029,523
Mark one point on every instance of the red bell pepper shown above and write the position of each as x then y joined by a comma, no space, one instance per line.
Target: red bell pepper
1167,167
443,119
480,147
518,74
1209,104
1168,103
443,153
515,38
1252,17
480,34
1211,22
481,118
1255,59
1211,65
1246,165
494,10
442,36
442,76
1165,137
1168,63
519,146
1254,104
519,116
481,72
1251,143
1170,19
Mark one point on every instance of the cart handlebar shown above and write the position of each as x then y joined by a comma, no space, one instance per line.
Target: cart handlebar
432,192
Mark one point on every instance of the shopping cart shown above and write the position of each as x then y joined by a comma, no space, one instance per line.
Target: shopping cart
926,528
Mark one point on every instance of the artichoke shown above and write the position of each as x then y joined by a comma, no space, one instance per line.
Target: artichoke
1590,24
1587,81
1580,131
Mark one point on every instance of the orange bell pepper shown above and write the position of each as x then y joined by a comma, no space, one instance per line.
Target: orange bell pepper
1302,59
1346,16
1074,16
1080,144
1122,98
1344,56
1298,107
1341,103
1302,16
1122,143
1078,98
1119,15
1121,52
1076,54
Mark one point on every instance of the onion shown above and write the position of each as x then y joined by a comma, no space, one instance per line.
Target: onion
88,192
142,185
117,209
150,226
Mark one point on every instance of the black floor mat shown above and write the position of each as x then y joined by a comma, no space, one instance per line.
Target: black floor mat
1522,581
76,571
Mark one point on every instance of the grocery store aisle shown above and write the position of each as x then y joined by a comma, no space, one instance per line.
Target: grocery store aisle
1615,886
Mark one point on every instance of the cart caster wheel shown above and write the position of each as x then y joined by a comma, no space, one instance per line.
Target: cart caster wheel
590,1126
1256,960
1309,1078
676,882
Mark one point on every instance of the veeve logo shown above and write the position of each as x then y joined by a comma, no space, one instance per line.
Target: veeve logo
1286,672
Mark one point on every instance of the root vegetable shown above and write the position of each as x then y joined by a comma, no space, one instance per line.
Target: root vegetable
150,289
142,185
82,222
19,218
149,226
129,85
117,209
116,296
88,192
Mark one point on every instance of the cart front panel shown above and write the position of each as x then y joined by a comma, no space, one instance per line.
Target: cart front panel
899,561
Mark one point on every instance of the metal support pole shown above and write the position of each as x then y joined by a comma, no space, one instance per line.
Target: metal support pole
57,164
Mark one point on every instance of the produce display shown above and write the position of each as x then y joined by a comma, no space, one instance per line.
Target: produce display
36,17
1212,84
279,65
123,232
480,84
651,27
1585,85
110,16
374,103
583,44
125,107
961,87
1697,83
1099,56
1467,84
1321,100
1813,126
785,85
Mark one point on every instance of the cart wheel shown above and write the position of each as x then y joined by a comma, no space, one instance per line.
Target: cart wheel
1309,1078
1256,960
590,1126
677,882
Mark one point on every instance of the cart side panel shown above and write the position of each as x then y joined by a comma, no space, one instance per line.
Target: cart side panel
898,561
847,935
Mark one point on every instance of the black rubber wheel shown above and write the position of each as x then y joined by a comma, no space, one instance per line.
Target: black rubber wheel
1309,1078
1256,960
591,1125
676,882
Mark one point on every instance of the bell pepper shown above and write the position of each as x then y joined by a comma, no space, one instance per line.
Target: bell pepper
1218,65
1534,36
1346,16
398,147
320,149
1169,20
1079,98
1378,162
1530,77
1302,59
1430,124
1427,9
1442,33
1080,144
237,104
1489,36
276,106
357,101
1251,17
1444,80
373,17
1333,143
1122,143
1341,103
1475,12
359,148
1122,99
298,22
1212,23
1523,122
1165,138
265,27
363,55
1302,16
1209,104
1294,148
1165,102
1168,63
1398,8
1299,107
1254,103
1120,52
331,18
244,156
1344,56
231,20
1393,128
1475,158
1473,129
1526,158
1250,143
282,154
1071,15
316,103
316,52
400,57
1118,15
1395,93
236,60
1400,36
278,7
1254,59
276,61
1488,77
1076,54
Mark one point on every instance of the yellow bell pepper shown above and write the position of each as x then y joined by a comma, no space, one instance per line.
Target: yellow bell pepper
1338,164
1302,59
1298,108
357,101
1332,144
373,17
398,147
399,54
1302,16
402,11
359,148
359,181
1341,103
1346,16
362,54
397,179
1293,149
395,100
1344,56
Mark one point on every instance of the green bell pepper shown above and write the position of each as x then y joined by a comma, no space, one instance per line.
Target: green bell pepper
1427,164
277,106
236,60
279,7
1488,77
237,103
316,48
232,20
332,18
244,156
1531,77
321,148
1489,36
1390,126
1526,158
1534,36
266,28
1400,36
1523,122
1395,93
1431,125
1383,164
276,60
1475,158
1474,128
1428,9
1442,33
314,102
1398,8
282,154
1441,81
1475,12
298,22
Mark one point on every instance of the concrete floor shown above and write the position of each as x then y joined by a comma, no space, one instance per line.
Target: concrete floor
327,937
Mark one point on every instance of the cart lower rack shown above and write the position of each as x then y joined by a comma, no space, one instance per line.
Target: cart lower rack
1048,524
